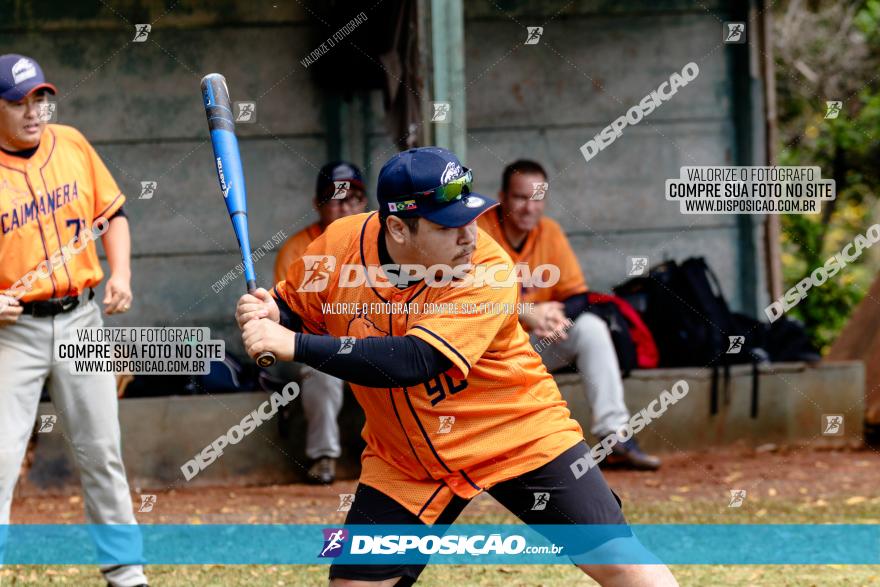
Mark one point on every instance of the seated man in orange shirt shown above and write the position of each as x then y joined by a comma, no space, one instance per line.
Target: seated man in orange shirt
566,333
339,193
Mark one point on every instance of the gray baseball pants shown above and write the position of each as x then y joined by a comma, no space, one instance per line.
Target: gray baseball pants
590,348
86,406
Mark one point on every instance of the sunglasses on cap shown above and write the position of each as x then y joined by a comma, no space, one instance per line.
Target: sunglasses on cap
451,191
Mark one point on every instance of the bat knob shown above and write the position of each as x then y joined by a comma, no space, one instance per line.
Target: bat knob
265,359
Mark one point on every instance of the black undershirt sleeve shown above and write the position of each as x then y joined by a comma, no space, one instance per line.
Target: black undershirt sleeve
119,212
576,305
289,319
379,361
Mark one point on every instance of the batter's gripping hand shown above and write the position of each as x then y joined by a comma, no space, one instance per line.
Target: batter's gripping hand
255,305
263,335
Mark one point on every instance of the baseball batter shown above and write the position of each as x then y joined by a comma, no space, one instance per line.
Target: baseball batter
56,197
339,193
456,403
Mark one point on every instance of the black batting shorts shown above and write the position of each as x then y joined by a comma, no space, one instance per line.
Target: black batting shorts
584,500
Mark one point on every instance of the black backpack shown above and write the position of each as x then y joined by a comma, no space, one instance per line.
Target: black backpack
685,309
230,375
787,340
618,326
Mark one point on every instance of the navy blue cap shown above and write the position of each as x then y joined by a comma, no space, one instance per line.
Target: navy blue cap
20,76
337,171
406,177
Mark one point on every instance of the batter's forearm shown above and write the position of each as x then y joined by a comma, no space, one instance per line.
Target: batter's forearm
387,361
117,245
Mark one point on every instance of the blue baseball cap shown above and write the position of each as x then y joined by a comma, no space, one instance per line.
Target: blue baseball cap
432,183
21,76
335,171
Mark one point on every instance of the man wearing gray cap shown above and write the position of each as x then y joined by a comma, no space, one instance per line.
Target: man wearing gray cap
56,198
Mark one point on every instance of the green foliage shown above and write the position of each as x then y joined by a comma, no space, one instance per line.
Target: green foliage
846,149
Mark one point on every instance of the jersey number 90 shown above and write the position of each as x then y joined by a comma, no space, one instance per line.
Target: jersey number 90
442,385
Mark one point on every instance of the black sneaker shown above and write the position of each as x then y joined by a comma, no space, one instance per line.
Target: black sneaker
322,471
628,455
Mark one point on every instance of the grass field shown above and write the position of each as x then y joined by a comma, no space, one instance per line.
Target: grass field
847,510
446,576
785,486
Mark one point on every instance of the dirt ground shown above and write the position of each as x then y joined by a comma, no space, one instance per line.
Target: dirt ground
794,475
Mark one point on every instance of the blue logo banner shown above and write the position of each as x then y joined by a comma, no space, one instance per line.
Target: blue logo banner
729,544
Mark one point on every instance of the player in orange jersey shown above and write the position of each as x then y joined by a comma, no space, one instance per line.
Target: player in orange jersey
561,329
456,400
339,193
56,199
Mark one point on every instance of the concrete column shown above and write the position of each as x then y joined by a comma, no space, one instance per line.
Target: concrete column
447,41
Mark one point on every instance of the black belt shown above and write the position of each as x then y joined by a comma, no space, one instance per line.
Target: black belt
48,308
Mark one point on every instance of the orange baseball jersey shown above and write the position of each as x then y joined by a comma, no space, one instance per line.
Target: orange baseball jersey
545,244
45,203
294,247
494,415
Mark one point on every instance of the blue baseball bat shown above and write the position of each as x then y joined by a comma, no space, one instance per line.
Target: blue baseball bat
227,159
